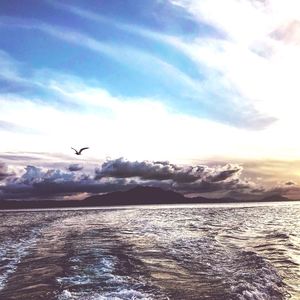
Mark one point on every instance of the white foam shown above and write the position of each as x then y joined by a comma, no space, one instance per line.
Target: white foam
19,250
75,280
65,295
122,294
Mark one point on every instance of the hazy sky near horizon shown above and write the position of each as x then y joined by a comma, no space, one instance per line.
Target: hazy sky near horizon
186,81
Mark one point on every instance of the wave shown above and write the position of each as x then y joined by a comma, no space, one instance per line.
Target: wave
243,274
182,253
128,294
12,252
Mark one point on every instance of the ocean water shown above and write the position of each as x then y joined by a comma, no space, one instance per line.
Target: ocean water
186,252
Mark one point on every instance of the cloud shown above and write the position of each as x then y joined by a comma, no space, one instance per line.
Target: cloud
13,127
289,189
224,172
186,179
121,174
222,102
148,170
41,183
163,170
288,33
248,116
10,68
4,173
131,56
17,157
75,167
232,66
122,116
8,126
257,60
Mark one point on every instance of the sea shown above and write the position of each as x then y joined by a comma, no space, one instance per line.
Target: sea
223,251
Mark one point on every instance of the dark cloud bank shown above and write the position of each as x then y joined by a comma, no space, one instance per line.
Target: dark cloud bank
121,174
75,167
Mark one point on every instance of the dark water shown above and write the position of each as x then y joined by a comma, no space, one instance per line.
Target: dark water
151,253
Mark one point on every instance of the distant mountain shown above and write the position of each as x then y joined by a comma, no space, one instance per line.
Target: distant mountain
140,195
150,195
274,198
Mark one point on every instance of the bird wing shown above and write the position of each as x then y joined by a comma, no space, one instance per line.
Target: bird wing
83,149
74,150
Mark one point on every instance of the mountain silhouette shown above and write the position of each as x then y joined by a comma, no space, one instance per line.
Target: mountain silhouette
140,195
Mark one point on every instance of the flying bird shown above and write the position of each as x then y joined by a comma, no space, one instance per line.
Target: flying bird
79,152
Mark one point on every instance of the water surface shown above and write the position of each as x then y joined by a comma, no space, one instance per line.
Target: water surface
192,252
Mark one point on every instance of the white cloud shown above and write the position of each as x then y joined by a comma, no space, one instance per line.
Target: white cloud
133,57
206,53
263,68
258,57
228,107
259,60
135,128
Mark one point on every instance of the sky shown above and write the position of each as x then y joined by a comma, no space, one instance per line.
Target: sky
197,96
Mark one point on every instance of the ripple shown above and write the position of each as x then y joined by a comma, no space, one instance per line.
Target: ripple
162,253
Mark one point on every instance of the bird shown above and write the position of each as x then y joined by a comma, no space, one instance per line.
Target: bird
79,152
